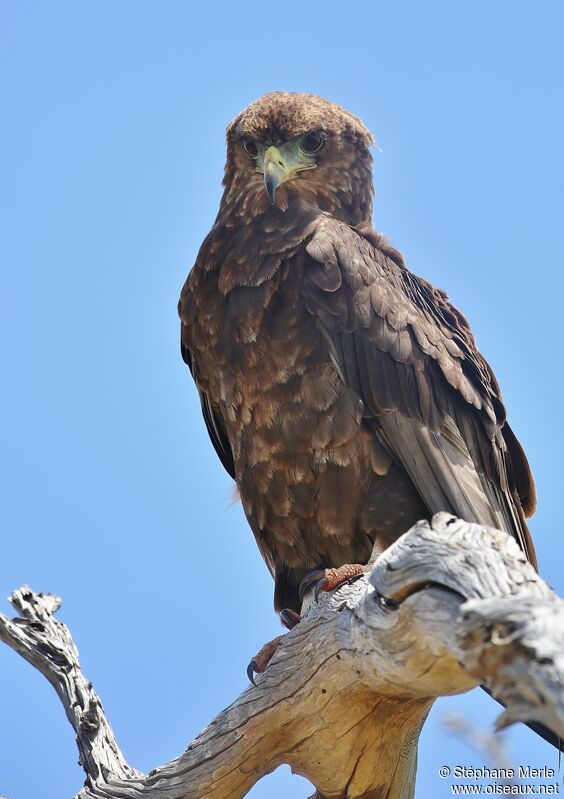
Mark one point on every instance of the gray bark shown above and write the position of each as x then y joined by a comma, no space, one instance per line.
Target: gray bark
448,606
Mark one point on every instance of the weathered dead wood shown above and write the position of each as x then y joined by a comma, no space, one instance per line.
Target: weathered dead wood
449,605
47,644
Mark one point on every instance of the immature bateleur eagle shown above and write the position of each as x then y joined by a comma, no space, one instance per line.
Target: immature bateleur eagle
344,394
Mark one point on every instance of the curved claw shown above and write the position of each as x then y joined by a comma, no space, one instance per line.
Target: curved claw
331,579
251,668
312,579
289,618
319,587
261,660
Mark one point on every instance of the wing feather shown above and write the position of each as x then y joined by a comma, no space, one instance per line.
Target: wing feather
212,418
428,394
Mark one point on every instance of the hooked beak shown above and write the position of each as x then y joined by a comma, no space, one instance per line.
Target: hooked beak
275,172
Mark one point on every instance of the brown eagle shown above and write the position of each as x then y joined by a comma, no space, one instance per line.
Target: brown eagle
344,394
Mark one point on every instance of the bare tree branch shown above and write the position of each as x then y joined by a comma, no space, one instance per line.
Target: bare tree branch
343,701
47,644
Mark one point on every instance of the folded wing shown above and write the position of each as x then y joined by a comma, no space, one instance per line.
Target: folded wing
429,396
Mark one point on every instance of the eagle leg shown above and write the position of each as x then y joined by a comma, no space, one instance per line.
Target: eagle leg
258,664
330,579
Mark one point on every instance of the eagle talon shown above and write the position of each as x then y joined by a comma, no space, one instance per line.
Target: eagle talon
289,618
319,587
251,668
261,660
331,579
312,579
258,664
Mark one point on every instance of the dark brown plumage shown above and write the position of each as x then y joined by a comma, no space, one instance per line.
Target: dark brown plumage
345,395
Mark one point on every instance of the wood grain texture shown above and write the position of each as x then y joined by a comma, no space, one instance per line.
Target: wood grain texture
447,606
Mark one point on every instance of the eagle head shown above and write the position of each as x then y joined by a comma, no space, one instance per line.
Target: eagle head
289,150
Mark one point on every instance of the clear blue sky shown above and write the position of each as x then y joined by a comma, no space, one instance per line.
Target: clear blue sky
112,148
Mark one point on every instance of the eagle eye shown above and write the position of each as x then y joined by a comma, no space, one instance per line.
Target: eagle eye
250,147
312,143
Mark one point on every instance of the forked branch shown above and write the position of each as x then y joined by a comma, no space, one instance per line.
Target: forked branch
342,702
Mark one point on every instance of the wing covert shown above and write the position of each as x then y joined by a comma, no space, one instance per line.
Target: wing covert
428,393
